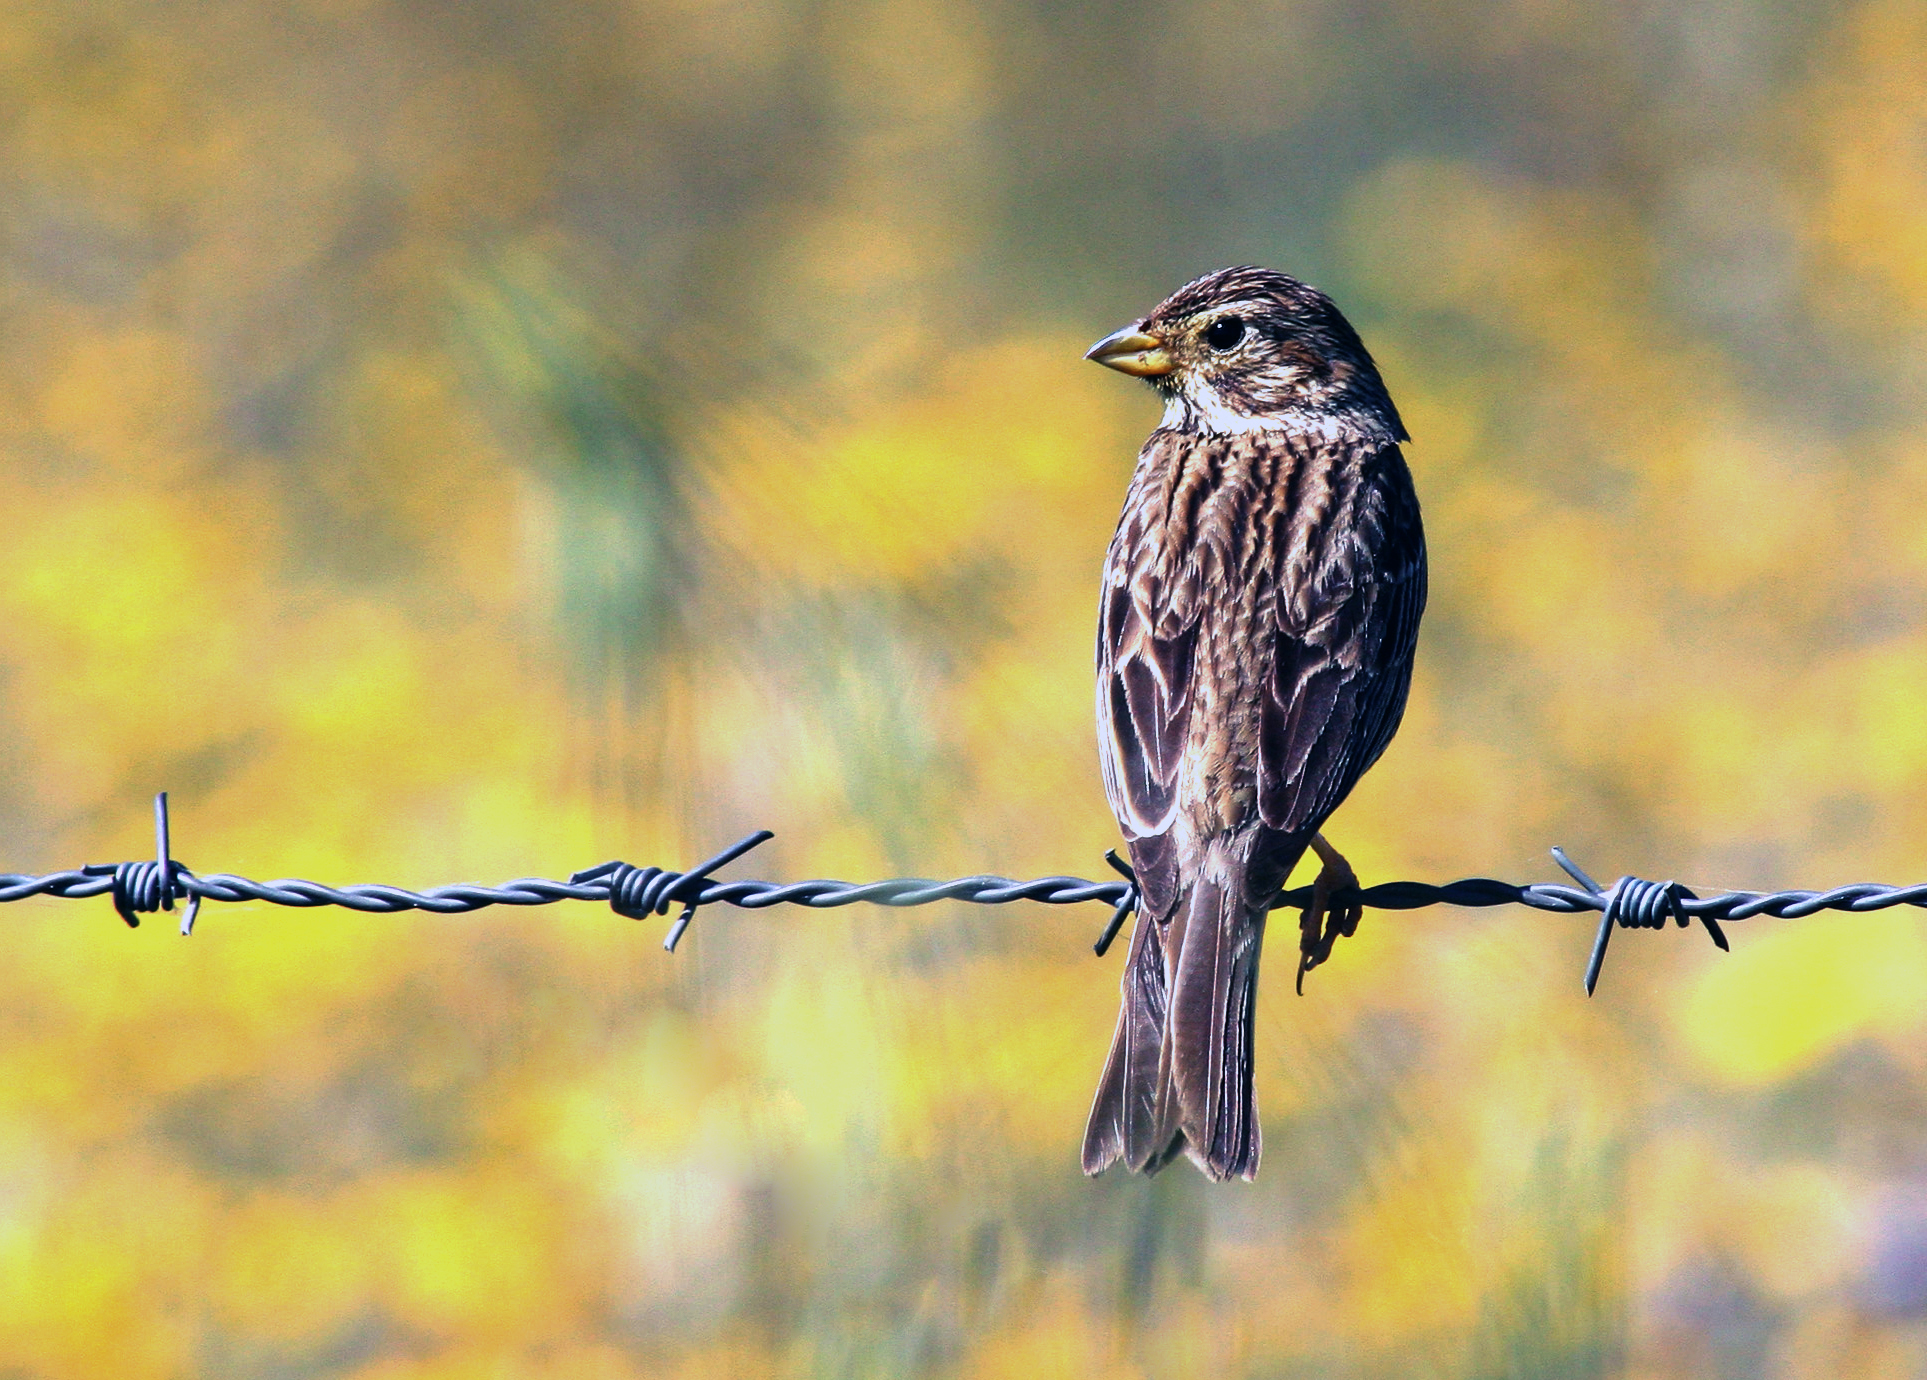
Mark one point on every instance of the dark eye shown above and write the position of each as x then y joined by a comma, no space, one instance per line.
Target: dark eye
1225,332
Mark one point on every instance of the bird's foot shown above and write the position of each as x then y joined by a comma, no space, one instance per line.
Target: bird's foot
1334,911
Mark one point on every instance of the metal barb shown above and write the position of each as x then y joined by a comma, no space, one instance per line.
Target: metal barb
689,887
1125,903
1634,903
161,854
172,871
1574,871
1605,933
135,887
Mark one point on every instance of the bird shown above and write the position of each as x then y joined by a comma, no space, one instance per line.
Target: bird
1258,619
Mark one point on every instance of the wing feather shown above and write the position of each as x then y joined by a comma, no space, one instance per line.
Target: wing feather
1340,677
1146,656
1347,615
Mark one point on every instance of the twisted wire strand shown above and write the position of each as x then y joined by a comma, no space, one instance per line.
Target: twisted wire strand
146,886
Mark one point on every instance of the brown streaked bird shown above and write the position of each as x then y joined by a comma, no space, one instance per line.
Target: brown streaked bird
1260,605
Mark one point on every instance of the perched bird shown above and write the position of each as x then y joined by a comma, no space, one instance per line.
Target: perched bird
1260,604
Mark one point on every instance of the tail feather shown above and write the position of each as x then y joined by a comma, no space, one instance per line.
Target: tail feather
1206,1106
1178,1080
1123,1122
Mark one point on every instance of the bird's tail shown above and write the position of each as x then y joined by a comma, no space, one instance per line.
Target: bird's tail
1205,1104
1123,1124
1179,1077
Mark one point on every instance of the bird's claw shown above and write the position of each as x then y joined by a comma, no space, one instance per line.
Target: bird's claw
1334,912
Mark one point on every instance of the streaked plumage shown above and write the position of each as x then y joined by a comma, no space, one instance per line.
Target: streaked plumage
1261,599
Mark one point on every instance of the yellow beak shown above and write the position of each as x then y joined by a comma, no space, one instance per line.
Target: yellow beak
1133,350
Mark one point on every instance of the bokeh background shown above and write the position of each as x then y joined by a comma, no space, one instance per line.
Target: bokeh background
461,439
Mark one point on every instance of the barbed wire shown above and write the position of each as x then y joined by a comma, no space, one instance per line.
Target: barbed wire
148,886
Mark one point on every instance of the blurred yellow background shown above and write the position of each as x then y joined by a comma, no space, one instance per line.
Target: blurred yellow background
461,440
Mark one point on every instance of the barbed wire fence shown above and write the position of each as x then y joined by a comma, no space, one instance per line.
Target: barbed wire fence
148,886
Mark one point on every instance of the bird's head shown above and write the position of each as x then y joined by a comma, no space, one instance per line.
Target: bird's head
1247,349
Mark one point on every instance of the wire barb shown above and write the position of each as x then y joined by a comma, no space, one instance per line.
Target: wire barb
141,888
1125,903
638,892
1635,904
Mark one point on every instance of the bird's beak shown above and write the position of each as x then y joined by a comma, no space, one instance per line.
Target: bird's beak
1133,350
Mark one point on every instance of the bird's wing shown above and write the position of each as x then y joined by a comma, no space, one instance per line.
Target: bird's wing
1344,657
1145,649
1147,638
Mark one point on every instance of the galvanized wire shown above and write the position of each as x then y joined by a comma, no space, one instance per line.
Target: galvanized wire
146,886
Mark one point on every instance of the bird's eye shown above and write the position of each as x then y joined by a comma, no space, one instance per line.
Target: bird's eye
1225,332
